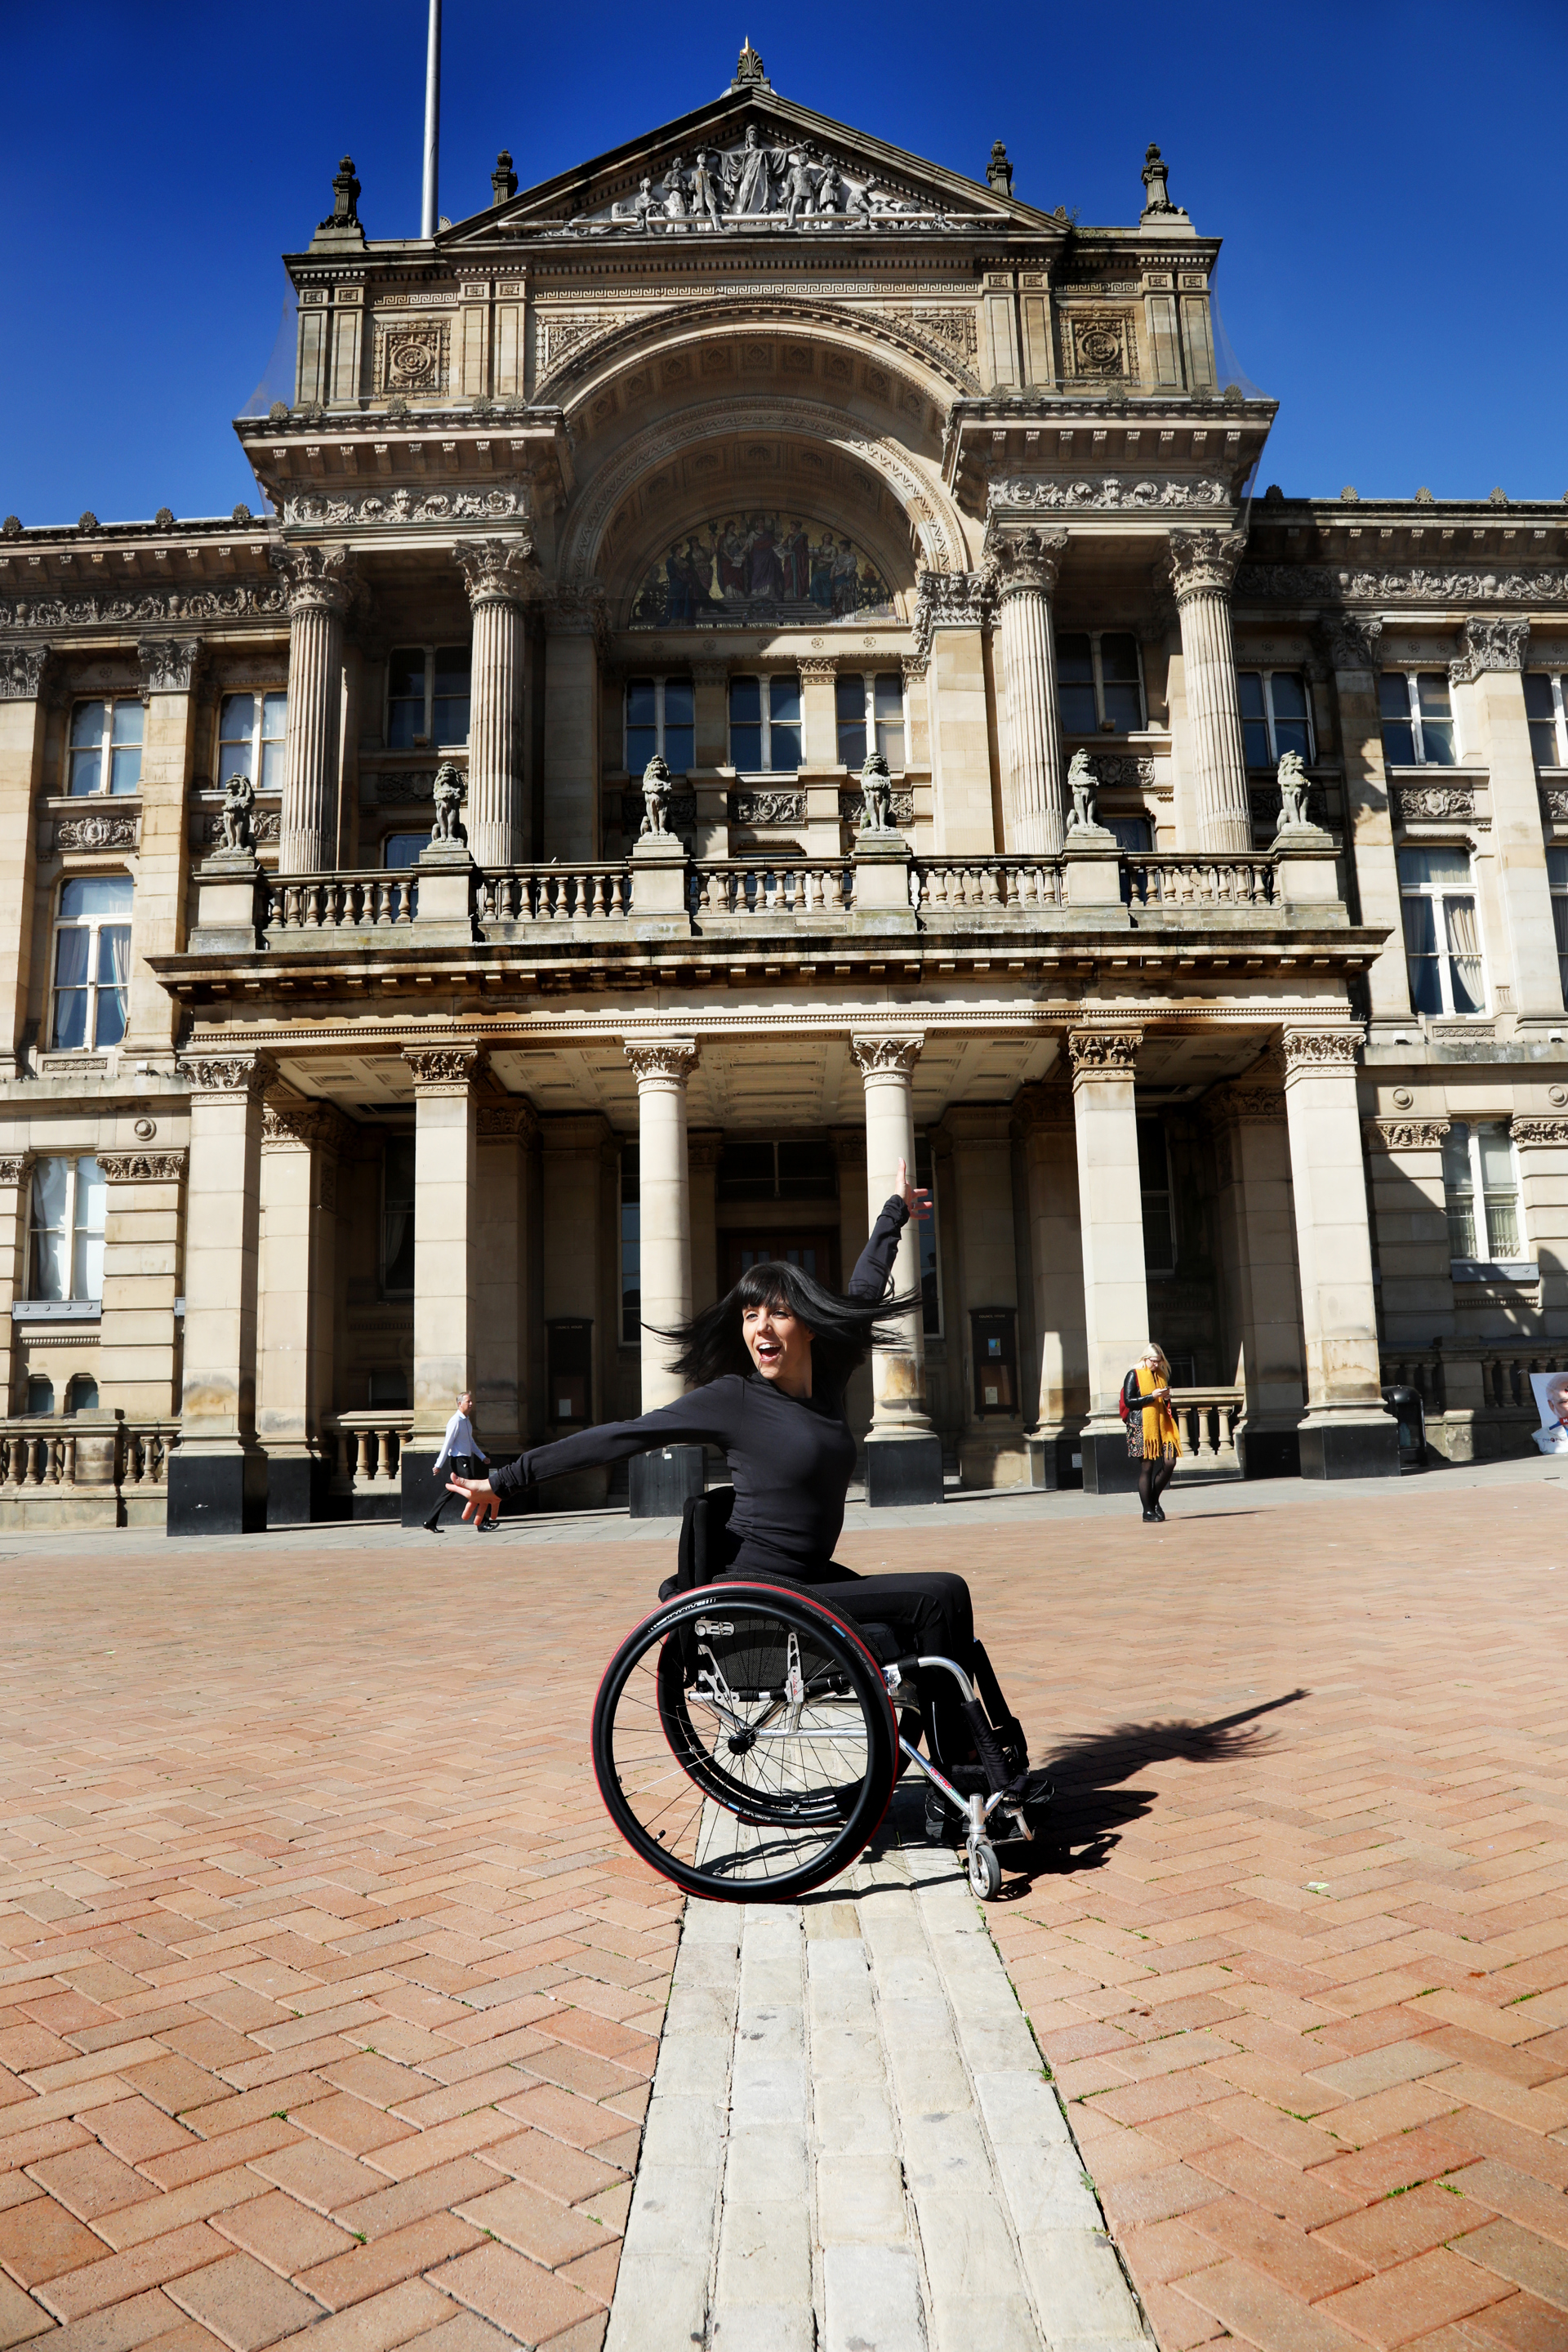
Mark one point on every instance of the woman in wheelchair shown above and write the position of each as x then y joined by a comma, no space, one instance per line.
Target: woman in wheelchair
768,1366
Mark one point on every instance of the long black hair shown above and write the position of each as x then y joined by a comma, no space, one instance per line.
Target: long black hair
842,1330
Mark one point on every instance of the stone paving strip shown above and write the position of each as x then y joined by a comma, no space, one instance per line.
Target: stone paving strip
852,2142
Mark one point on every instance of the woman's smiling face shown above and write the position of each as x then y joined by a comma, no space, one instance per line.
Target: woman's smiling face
779,1344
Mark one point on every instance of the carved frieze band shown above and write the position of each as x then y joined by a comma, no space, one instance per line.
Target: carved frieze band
444,1069
1106,490
502,1122
1103,1053
1309,1050
143,1167
1538,1131
656,1059
372,509
1299,583
1432,801
91,609
229,1074
877,1057
1407,1134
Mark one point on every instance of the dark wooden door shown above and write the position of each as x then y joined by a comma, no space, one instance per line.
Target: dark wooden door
815,1252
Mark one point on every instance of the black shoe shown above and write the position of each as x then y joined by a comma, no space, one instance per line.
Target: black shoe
1148,1516
433,1527
1159,1512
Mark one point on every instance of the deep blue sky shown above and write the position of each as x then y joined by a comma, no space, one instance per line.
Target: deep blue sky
1387,179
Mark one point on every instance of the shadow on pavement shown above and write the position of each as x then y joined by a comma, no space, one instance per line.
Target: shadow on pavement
1092,1804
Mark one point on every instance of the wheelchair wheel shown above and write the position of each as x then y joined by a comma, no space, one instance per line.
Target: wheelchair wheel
745,1743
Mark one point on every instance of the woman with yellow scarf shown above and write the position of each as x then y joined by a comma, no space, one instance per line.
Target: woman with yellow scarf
1152,1436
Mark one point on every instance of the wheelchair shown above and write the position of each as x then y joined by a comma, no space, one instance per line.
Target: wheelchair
747,1739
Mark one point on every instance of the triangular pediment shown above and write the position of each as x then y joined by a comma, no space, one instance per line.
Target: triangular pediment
751,162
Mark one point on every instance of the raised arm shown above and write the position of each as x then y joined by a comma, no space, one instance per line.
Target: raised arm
874,1267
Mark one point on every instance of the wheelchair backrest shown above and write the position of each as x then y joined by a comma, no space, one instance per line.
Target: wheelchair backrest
701,1556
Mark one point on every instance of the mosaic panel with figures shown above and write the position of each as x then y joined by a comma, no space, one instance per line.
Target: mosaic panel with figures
751,567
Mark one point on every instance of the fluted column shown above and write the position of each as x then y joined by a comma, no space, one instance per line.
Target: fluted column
903,1455
1203,568
498,574
1026,571
658,1484
320,588
217,1476
1110,1223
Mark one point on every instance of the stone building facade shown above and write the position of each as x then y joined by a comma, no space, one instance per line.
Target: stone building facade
764,658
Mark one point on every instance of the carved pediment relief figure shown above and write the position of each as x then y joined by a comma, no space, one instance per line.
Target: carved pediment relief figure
745,567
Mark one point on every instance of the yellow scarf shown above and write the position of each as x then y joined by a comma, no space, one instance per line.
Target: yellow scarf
1161,1438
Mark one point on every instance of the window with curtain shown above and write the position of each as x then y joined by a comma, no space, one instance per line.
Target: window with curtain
764,723
870,708
1417,718
1442,938
65,1230
660,717
92,961
250,734
1480,1191
1275,716
427,697
397,1217
105,753
1546,708
1099,683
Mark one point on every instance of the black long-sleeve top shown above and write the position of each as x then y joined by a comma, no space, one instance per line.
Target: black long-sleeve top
790,1457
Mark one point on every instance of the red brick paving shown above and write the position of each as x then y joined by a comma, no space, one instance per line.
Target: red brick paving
327,1998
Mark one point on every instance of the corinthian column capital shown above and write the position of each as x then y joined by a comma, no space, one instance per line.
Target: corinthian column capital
248,1074
319,579
1204,562
671,1058
498,571
878,1057
1103,1053
1027,559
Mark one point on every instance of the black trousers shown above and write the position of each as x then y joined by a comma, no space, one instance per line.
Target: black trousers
459,1466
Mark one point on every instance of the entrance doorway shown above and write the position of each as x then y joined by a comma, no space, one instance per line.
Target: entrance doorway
815,1253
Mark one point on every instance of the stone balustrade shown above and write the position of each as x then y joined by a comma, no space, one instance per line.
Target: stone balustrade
757,890
366,1480
341,902
554,894
85,1470
1206,1418
968,886
1156,879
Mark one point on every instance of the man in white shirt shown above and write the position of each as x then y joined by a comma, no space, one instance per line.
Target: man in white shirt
461,1452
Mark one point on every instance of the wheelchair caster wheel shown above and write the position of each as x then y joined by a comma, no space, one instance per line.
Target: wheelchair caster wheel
985,1870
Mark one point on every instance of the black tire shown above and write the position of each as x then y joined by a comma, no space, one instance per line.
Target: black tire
714,1773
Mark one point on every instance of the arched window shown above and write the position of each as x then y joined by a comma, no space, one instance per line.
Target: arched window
81,1396
40,1397
92,961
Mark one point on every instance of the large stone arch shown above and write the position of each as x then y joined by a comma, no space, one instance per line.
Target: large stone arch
937,529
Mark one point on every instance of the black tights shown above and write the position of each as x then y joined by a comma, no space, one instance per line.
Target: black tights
1152,1480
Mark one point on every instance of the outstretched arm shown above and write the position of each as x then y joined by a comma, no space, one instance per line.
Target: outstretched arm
704,1416
874,1267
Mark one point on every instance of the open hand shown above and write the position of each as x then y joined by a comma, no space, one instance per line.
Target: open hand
918,1203
480,1501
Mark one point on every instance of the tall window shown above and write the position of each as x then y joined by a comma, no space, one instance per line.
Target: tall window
1274,717
1557,875
799,1168
660,717
764,723
1417,718
1442,940
1480,1189
427,697
106,747
401,850
1154,1183
1099,683
65,1238
1546,708
250,732
870,712
397,1217
631,1246
93,961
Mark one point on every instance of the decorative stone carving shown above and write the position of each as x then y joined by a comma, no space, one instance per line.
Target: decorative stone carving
851,806
876,1053
1433,800
240,601
680,811
411,356
656,801
501,1122
21,672
98,832
773,808
953,600
1083,785
1299,583
450,792
1204,562
673,1057
875,795
389,510
1253,1106
1408,1134
1538,1131
1103,1053
401,787
1554,802
14,1167
444,1069
320,579
1293,789
297,1124
229,1074
1108,490
1043,1105
167,665
794,187
1490,643
1317,1049
237,825
1026,559
1123,772
345,198
498,571
1353,641
818,665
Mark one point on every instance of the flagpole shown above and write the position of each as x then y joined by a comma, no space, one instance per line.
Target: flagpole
432,121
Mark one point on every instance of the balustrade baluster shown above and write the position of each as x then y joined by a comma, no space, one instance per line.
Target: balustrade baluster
384,1454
